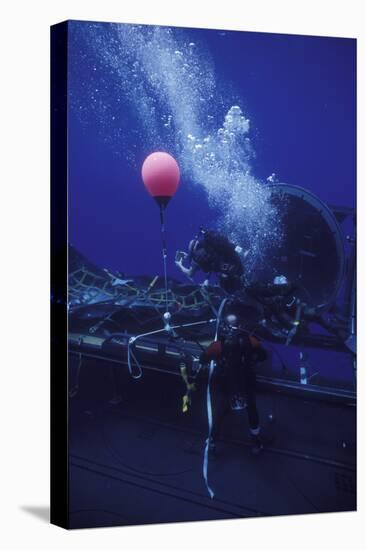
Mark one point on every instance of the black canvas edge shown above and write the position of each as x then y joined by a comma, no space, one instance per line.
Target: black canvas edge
59,490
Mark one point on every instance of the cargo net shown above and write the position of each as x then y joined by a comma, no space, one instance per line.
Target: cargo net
87,287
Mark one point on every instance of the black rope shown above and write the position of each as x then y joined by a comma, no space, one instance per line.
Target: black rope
165,254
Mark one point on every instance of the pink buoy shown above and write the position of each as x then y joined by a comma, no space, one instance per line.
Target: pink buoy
160,174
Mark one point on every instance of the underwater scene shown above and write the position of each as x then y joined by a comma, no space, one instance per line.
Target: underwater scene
211,274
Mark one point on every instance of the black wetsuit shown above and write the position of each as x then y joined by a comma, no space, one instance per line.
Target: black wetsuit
278,301
216,254
236,355
282,305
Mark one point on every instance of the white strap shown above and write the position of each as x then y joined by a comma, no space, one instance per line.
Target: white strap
209,406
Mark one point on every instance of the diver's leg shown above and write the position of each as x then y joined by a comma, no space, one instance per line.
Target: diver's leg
220,407
315,315
253,416
235,395
252,411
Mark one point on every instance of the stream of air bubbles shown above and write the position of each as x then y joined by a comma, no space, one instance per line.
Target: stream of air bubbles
167,84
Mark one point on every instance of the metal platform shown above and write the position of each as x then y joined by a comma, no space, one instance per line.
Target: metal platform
136,458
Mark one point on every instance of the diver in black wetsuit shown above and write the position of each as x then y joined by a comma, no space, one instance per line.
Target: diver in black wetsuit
211,252
234,382
278,302
283,311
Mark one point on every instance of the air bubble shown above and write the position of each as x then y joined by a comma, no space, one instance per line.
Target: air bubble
149,71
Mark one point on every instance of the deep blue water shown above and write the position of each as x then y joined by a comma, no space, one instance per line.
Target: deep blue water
298,92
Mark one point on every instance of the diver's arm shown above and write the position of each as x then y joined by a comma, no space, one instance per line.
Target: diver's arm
188,271
212,352
298,314
259,353
295,322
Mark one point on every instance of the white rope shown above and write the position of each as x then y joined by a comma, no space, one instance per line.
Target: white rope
129,355
209,406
